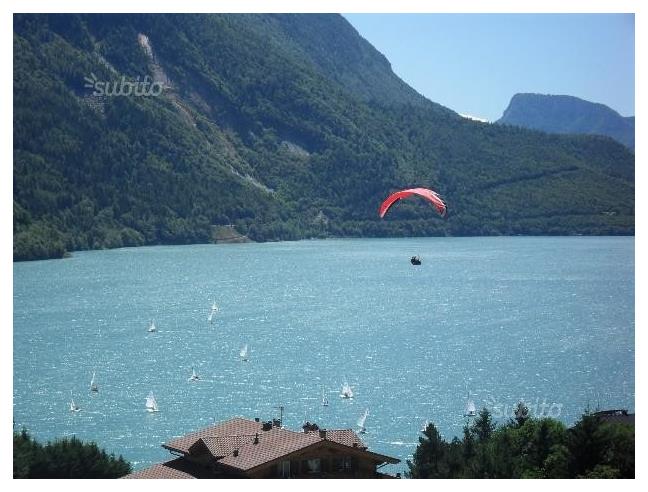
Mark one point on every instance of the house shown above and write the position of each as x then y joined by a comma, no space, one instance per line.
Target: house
616,416
242,448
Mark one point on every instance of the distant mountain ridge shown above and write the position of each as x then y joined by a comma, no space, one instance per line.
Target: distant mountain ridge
568,114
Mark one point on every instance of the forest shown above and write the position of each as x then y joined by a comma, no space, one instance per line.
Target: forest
528,447
282,127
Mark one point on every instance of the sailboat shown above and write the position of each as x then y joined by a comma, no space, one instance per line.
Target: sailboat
73,406
361,422
244,353
194,376
325,401
151,404
471,411
152,328
214,310
93,383
346,392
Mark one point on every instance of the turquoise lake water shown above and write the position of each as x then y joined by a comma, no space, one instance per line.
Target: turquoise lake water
547,320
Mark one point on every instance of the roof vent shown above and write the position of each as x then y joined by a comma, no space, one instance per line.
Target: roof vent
355,444
322,433
257,419
235,453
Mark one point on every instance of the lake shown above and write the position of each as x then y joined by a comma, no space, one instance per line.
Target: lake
547,320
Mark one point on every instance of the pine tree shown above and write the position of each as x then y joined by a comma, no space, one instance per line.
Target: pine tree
483,426
430,456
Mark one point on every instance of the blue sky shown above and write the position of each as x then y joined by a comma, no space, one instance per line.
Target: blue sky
474,63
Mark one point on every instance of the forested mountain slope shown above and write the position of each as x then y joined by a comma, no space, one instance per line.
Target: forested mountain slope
283,126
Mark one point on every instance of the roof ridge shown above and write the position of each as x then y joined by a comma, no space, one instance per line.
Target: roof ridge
229,435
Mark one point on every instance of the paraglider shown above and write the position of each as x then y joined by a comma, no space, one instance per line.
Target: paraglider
432,196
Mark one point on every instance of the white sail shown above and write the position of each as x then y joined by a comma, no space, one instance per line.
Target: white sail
244,353
346,392
151,404
325,401
73,406
471,411
152,326
194,376
362,420
93,383
425,425
214,310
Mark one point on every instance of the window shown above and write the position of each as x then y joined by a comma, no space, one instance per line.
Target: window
313,465
343,464
284,469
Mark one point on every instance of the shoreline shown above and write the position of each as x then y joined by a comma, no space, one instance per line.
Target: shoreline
71,254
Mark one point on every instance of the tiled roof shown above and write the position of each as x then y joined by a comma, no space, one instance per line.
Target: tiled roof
273,444
221,446
178,468
232,443
233,427
347,437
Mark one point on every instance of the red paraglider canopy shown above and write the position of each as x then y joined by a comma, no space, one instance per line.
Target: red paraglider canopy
429,195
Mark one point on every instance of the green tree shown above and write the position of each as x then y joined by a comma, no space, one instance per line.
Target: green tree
556,465
521,415
483,426
429,460
586,445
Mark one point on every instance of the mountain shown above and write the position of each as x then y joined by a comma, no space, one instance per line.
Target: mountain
134,129
568,114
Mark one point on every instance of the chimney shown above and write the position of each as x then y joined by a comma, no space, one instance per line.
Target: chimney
256,438
322,433
266,426
257,419
235,453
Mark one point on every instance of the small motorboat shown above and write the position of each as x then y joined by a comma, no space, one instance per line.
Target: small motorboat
415,260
